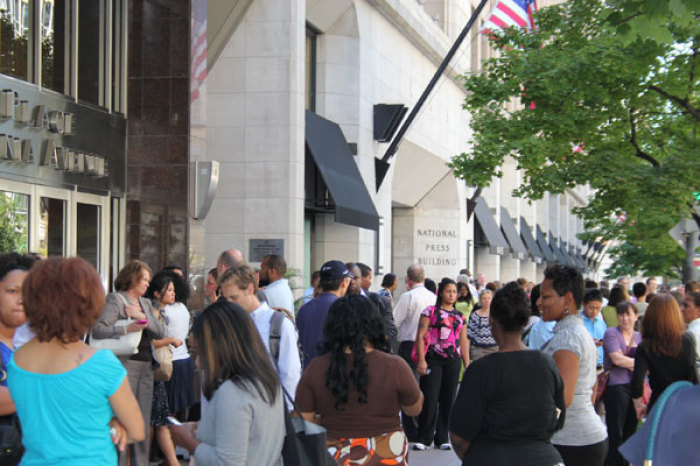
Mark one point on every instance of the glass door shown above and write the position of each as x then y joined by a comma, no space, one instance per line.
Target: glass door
53,212
90,236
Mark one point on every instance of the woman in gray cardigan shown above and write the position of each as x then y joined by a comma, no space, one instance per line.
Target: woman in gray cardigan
243,420
127,302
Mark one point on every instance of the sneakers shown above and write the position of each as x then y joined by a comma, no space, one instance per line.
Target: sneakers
420,446
445,446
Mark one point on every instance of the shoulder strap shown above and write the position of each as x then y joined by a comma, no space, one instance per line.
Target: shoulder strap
275,335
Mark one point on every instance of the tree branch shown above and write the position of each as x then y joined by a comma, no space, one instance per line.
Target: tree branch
693,64
633,140
683,103
629,18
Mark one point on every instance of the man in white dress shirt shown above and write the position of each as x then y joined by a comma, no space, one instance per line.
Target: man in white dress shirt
406,316
239,286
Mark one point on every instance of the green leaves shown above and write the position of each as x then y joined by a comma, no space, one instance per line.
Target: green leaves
632,102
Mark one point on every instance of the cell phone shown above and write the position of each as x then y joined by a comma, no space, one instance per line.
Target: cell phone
142,321
174,421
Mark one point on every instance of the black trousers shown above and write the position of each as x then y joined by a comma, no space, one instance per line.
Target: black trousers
439,388
410,423
586,455
621,418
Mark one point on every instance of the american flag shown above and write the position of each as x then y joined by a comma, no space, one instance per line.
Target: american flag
198,55
510,13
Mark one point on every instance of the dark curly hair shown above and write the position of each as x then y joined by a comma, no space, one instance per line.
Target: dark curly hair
14,261
352,321
566,278
510,307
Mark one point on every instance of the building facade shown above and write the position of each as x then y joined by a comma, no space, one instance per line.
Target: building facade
118,117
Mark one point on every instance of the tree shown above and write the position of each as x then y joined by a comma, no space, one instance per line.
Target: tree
597,107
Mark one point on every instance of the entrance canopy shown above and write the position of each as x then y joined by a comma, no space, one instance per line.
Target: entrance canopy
329,149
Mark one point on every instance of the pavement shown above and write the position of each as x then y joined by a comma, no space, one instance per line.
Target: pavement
433,457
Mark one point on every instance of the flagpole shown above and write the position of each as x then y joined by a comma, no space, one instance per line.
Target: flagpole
391,150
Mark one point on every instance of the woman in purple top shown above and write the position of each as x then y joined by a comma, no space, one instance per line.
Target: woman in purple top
620,344
442,328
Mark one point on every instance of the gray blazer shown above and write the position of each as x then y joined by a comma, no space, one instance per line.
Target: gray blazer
114,309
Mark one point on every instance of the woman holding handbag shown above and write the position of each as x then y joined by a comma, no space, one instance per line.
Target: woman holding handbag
127,302
161,291
356,389
619,345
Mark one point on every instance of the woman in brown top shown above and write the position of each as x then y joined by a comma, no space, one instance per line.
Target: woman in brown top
356,390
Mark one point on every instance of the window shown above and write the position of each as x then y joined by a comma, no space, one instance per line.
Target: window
15,38
82,52
90,51
310,68
55,45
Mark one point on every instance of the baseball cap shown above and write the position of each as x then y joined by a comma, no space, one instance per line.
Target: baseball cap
334,270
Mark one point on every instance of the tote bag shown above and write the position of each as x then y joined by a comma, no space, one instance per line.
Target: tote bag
304,442
125,345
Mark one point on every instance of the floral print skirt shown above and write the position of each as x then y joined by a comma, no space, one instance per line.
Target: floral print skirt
386,449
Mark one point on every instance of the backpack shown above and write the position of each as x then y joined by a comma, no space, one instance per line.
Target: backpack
276,334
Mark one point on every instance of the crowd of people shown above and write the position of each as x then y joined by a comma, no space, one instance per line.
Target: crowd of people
500,373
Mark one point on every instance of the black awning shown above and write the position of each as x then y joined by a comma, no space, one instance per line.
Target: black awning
579,258
526,234
558,255
330,151
565,252
517,247
542,243
493,238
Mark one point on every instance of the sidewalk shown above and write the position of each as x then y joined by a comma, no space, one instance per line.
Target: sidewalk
433,457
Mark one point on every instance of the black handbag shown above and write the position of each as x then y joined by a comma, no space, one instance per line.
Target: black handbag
304,442
11,448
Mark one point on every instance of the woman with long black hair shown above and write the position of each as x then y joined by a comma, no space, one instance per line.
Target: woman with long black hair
243,422
356,389
161,292
442,328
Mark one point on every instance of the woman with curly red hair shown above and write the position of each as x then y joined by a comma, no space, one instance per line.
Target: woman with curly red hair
74,402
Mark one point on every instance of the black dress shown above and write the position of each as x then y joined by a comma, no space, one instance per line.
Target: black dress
509,405
663,370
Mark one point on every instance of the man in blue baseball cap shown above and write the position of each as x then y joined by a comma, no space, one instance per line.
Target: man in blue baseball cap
334,281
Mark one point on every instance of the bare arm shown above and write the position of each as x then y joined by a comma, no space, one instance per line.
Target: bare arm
309,417
620,360
464,345
422,366
567,363
127,410
460,445
7,406
167,341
